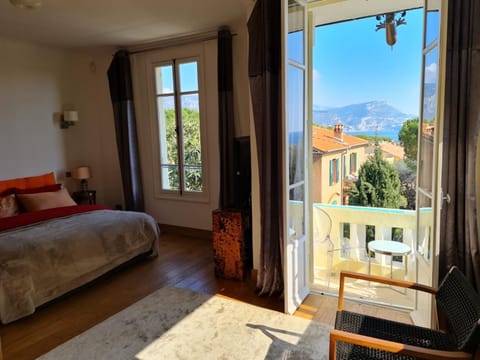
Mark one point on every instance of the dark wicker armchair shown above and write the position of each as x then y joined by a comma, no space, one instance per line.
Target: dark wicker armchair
364,337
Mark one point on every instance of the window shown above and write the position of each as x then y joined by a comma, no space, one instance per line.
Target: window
353,163
179,126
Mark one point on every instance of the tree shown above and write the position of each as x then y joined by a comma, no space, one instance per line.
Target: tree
408,135
408,177
192,153
378,185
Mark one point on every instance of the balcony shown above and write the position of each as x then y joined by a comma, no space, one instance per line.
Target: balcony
351,227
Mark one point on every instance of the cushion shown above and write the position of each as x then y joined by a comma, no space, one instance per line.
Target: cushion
28,182
46,188
9,206
41,189
45,200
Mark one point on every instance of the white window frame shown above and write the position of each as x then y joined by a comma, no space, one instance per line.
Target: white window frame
169,58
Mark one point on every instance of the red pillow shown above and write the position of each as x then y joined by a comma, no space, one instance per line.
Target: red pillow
41,189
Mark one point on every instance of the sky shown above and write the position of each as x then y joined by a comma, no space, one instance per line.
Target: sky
352,63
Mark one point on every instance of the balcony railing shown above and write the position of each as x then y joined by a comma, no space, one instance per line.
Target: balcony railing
340,236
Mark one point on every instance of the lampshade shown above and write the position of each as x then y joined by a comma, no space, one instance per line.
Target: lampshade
81,173
70,115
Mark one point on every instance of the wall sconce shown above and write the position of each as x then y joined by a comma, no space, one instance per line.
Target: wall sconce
68,119
82,173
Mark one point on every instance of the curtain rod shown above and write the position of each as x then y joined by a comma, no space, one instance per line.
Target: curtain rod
183,40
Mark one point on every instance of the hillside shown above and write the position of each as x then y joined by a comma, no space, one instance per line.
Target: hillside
365,117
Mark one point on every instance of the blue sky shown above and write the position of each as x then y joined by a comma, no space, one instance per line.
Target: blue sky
352,63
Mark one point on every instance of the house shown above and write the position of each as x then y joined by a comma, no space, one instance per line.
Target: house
392,151
336,157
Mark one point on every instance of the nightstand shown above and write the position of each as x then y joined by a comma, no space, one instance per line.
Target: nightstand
85,197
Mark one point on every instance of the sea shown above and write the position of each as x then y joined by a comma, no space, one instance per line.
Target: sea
390,133
295,137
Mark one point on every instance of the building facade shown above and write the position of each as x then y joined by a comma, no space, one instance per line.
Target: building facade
337,158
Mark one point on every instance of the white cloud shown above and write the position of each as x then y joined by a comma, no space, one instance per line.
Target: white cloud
315,75
431,73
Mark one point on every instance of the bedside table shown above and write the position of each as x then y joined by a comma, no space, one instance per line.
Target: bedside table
85,197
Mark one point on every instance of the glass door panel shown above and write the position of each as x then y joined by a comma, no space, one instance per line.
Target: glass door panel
429,165
296,250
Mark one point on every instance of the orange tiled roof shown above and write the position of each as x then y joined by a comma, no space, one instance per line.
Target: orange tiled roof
323,140
393,149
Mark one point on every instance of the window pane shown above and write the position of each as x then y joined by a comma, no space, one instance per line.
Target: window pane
427,134
192,148
168,142
433,22
295,125
425,223
430,86
188,77
295,39
193,178
296,203
169,177
164,79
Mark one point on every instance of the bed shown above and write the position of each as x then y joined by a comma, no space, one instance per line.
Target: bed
47,252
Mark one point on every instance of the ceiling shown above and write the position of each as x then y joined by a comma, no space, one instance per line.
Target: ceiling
92,23
331,11
95,23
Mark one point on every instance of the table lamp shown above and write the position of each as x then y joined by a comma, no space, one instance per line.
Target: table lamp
82,173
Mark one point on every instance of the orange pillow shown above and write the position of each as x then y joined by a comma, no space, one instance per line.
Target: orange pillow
45,200
28,182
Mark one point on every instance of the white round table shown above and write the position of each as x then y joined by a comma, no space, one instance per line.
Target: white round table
390,248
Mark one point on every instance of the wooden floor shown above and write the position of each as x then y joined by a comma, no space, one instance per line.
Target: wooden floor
184,261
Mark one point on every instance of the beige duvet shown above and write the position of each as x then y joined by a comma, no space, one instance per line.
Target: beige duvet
42,261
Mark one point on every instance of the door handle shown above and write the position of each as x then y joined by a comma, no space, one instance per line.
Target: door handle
446,198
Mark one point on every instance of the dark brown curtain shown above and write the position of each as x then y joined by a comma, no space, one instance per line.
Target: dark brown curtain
459,242
120,82
264,27
226,120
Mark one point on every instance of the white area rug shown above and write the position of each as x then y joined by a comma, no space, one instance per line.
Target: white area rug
175,323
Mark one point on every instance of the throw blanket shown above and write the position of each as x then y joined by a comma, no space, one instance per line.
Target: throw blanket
42,261
33,217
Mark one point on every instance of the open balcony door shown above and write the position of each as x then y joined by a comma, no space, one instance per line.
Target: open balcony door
296,142
429,194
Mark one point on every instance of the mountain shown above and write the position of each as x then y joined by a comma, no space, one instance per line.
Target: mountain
369,117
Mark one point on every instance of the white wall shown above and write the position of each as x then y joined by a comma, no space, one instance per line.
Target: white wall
33,88
36,84
92,140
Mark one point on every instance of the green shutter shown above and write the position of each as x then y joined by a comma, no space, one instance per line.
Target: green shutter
331,172
344,166
337,178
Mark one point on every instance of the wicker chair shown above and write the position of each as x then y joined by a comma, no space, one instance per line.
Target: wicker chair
364,337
